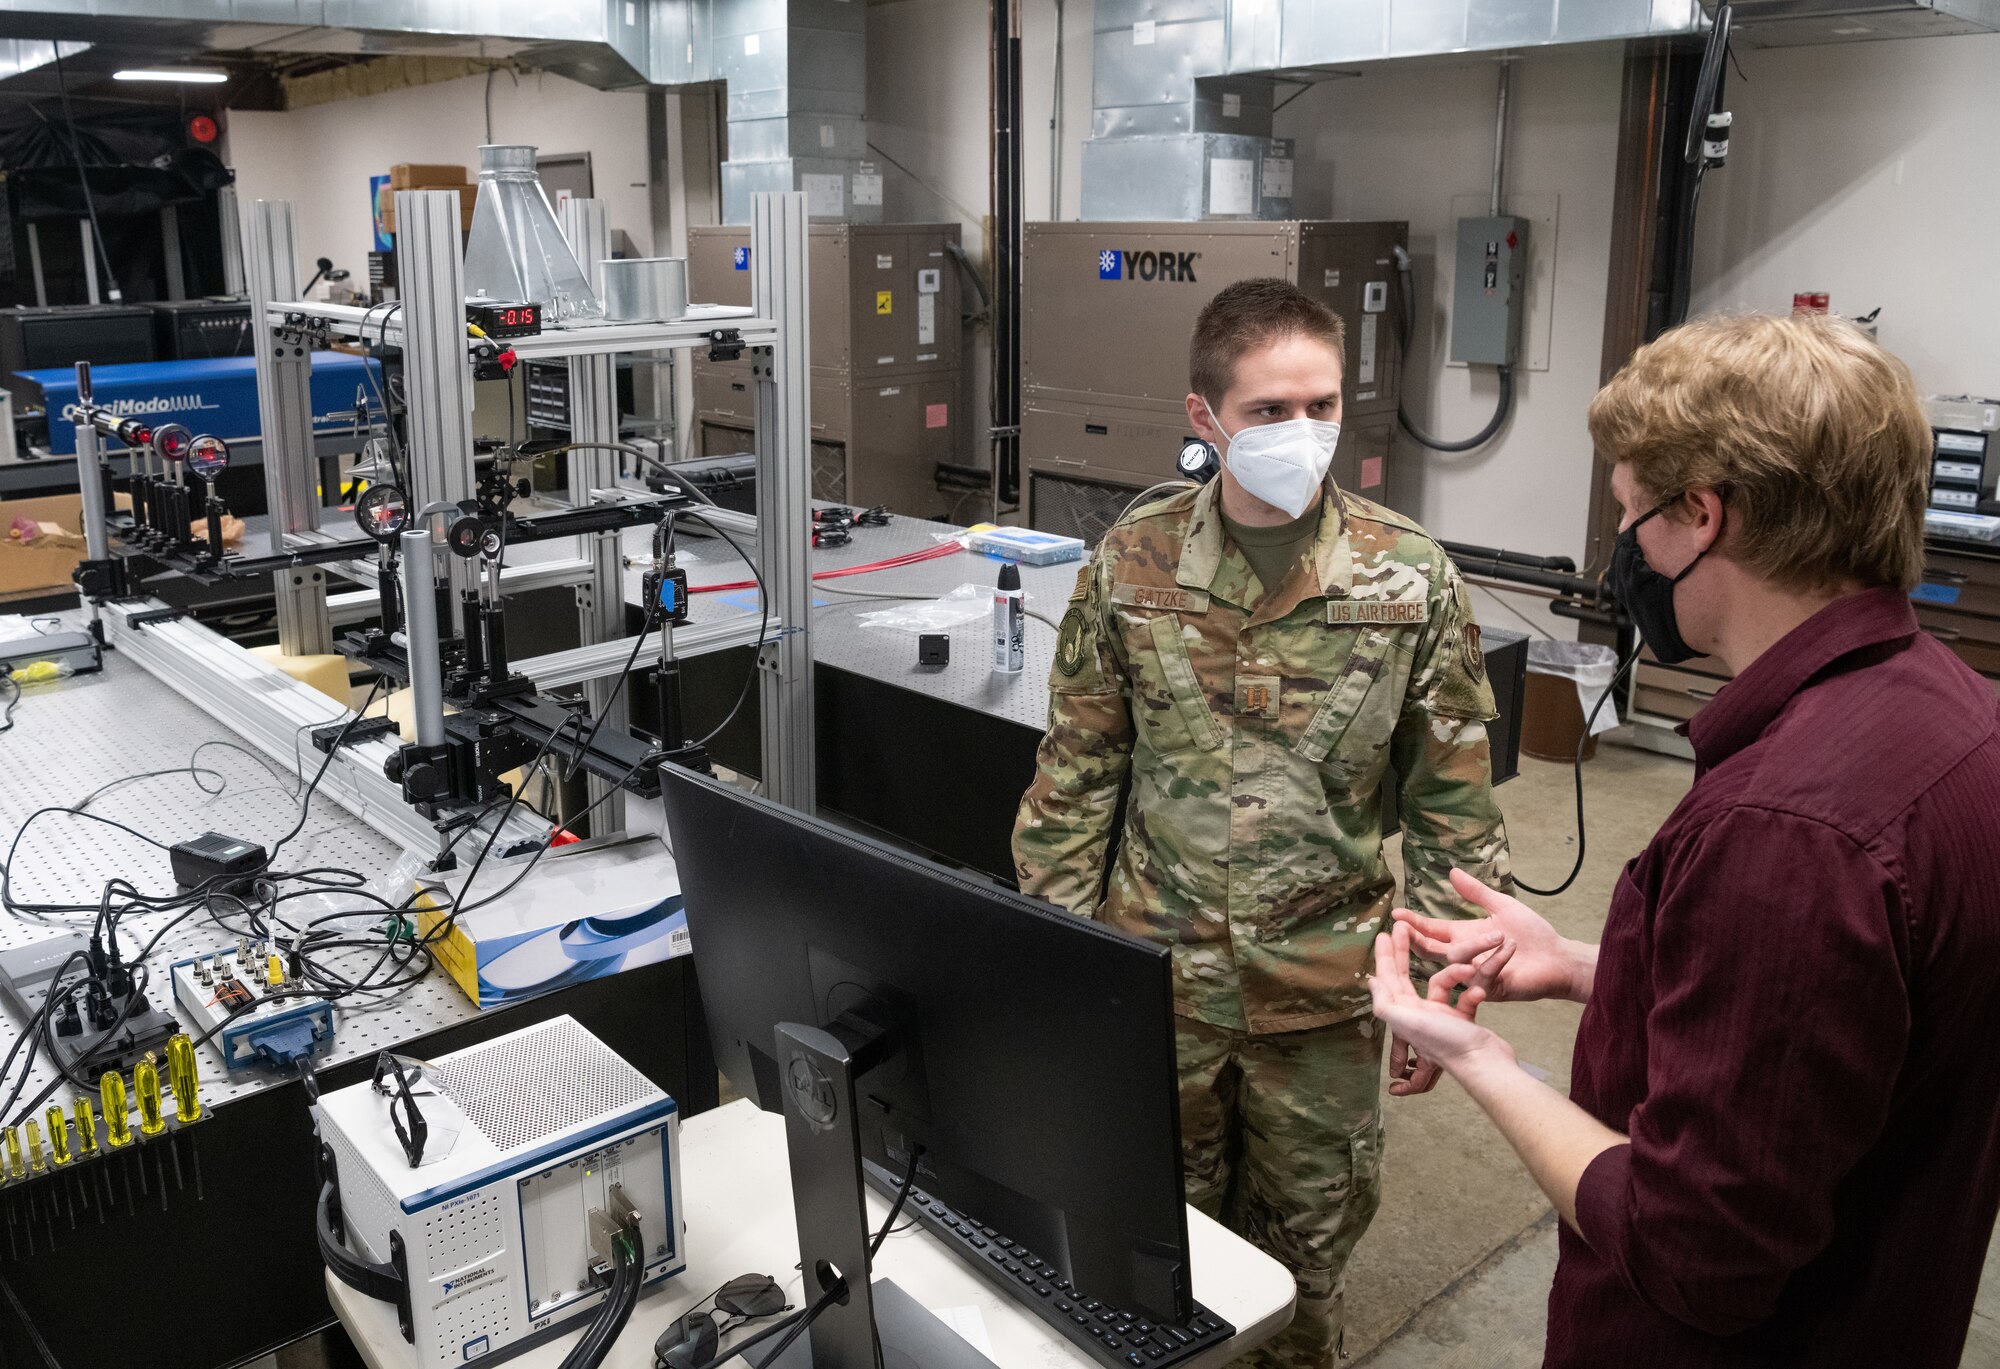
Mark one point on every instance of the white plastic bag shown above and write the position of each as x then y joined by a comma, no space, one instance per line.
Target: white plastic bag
966,604
1591,667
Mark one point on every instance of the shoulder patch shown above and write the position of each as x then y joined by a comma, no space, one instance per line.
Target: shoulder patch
1171,597
1475,655
1346,612
1071,643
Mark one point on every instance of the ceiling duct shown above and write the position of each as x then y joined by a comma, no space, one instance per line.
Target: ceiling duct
797,77
1181,117
1181,90
1795,23
602,43
1172,135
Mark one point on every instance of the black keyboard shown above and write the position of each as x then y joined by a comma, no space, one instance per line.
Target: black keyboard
1107,1334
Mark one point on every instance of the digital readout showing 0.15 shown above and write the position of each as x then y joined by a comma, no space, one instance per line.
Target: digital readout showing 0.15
507,320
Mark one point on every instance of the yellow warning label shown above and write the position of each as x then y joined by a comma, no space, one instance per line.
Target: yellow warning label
882,302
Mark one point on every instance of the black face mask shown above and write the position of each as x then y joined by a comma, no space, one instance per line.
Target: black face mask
1648,595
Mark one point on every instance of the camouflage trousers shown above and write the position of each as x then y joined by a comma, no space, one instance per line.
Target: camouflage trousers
1281,1140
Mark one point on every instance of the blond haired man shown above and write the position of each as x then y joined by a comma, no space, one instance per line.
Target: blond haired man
1782,1141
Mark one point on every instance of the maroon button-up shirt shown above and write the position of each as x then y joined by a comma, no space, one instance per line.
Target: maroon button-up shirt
1796,1020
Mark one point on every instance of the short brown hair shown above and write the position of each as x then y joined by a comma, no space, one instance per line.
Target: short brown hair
1809,429
1248,315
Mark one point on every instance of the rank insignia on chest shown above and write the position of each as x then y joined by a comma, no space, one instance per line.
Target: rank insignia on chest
1346,612
1257,696
1070,644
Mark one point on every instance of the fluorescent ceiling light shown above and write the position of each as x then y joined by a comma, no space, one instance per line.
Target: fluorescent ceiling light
186,75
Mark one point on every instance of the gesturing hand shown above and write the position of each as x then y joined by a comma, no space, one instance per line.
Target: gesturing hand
1429,1033
1541,965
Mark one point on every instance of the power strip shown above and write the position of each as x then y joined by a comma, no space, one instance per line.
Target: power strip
249,1001
28,972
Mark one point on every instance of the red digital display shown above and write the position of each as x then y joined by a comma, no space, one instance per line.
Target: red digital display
506,319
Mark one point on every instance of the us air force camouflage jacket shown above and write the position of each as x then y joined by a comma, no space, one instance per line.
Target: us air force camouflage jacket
1255,729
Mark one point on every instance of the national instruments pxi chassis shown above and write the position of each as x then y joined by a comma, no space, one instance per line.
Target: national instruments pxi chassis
525,1147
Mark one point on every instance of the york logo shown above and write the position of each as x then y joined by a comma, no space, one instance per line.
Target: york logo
1113,264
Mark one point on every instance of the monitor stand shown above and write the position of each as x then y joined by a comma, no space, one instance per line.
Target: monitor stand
823,1135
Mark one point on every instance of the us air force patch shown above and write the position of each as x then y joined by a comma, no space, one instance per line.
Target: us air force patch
1475,659
1070,644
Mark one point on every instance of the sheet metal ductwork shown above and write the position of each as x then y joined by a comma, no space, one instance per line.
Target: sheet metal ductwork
603,43
797,76
1182,89
796,69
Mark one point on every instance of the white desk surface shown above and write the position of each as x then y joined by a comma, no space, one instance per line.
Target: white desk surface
738,1199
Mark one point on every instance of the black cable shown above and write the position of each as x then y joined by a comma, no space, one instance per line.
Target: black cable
339,740
610,792
616,1311
1501,409
13,701
799,1326
902,1196
763,624
800,1322
1581,743
631,661
111,290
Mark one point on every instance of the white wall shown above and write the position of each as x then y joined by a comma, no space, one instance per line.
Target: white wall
1867,171
320,158
1404,143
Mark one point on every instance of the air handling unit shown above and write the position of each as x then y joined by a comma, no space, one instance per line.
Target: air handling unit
1110,311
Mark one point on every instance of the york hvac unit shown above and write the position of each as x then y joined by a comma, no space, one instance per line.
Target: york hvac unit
528,1142
1110,310
885,351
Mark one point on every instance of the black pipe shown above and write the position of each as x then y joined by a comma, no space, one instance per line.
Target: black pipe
1603,617
1461,552
1574,586
1006,195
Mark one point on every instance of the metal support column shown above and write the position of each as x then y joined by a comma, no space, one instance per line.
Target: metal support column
784,493
431,268
284,410
593,417
232,241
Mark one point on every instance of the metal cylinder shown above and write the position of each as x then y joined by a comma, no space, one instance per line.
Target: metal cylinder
645,289
420,636
90,484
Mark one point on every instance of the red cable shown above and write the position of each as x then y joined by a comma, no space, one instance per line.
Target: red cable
891,563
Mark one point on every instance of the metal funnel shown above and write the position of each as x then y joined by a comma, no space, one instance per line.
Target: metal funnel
516,250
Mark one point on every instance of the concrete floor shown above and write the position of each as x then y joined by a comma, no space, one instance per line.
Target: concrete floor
1455,1272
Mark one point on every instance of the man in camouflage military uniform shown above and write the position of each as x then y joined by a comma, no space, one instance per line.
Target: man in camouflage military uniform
1253,724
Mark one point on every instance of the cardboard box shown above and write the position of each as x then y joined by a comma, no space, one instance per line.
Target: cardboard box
41,566
468,196
578,916
411,175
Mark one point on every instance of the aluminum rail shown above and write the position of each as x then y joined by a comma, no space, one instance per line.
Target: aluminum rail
600,659
381,326
273,712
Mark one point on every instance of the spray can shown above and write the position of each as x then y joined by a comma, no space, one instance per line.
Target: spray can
1009,623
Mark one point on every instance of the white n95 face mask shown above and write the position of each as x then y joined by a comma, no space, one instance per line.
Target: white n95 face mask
1283,464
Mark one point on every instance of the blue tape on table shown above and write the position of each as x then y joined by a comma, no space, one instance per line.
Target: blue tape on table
217,396
1935,594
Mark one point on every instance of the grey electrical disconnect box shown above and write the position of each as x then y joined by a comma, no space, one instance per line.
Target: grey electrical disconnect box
1490,290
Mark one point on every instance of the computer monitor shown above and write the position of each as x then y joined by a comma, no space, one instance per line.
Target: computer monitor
1029,1053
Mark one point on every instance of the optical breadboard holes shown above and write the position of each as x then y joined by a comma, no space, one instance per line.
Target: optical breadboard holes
120,722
